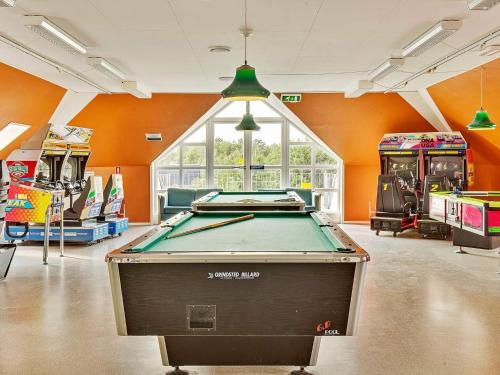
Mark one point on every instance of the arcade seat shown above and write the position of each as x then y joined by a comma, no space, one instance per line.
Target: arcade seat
7,250
85,209
425,225
394,213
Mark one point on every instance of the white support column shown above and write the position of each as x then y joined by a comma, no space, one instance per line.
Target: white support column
70,105
423,103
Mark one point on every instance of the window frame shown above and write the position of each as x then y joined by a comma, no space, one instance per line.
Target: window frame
211,118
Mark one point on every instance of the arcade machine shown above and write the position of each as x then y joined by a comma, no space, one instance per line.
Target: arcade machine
55,159
474,215
412,156
32,204
113,200
7,250
394,212
425,225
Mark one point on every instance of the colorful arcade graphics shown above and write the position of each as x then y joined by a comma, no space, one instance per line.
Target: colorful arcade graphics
28,204
53,162
113,200
412,156
475,211
422,162
7,250
475,216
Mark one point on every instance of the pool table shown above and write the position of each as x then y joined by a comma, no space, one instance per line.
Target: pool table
252,200
263,291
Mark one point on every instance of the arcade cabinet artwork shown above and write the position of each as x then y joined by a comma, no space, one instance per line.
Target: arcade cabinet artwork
113,200
54,160
406,159
474,215
7,250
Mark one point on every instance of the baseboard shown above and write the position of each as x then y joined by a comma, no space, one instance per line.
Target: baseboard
357,222
139,223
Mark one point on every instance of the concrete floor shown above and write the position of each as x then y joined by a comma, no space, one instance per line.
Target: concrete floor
426,310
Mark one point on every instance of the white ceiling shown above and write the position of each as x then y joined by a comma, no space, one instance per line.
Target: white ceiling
297,45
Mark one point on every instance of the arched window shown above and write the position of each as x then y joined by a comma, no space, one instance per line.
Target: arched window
280,155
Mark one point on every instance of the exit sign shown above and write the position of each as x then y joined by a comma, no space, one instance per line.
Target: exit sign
291,98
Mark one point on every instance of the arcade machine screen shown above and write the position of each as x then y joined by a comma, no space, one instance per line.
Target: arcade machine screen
43,171
405,168
70,172
48,168
450,166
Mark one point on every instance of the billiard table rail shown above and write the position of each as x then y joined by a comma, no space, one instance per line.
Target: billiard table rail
208,202
332,231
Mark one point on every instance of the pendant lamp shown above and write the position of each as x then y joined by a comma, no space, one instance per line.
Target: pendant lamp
481,119
245,85
247,122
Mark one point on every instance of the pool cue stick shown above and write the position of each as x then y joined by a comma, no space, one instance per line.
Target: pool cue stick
212,226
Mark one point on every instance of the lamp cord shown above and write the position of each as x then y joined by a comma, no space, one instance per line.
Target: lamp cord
246,32
482,88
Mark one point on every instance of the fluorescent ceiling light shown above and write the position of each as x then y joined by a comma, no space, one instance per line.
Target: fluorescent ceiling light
386,68
10,132
482,4
490,50
7,3
106,67
431,37
54,34
358,88
133,88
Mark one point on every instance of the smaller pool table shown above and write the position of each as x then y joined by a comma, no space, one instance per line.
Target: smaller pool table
252,201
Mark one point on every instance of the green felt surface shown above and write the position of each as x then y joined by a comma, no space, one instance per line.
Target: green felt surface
235,197
265,232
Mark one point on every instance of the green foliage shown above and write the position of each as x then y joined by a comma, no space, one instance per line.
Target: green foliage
194,155
300,178
228,179
322,158
264,154
300,155
228,153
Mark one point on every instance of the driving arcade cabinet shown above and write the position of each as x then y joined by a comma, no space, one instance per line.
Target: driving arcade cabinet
7,250
410,158
394,214
425,225
53,161
113,201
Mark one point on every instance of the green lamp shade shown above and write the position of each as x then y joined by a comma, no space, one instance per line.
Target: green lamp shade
481,122
247,123
245,86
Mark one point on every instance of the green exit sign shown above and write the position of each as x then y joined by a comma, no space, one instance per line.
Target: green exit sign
291,98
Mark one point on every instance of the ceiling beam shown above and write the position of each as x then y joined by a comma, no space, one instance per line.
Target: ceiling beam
423,103
70,105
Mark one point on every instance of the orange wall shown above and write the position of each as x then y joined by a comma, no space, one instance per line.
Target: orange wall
458,99
25,99
120,122
353,128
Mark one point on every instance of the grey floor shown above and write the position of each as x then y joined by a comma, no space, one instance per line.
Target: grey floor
426,310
